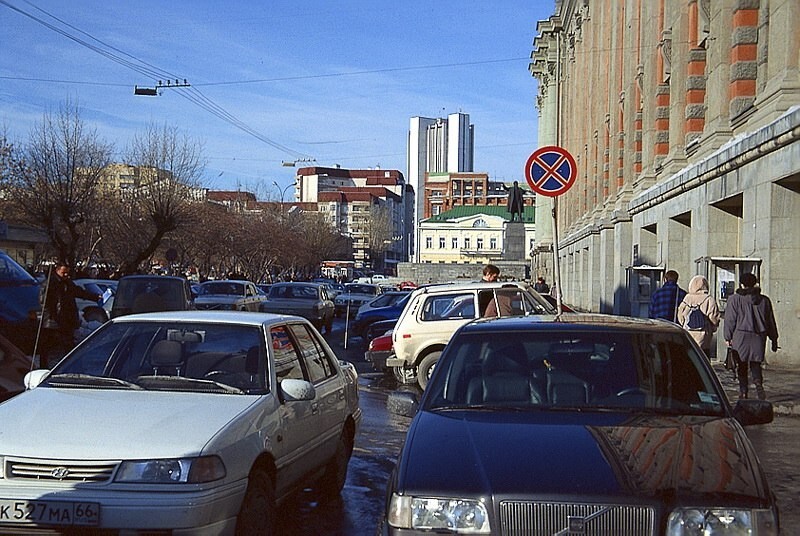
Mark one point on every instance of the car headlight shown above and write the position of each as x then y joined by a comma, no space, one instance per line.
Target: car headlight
172,471
461,516
721,521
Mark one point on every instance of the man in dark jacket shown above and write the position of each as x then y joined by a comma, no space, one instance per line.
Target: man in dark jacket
60,315
749,321
664,302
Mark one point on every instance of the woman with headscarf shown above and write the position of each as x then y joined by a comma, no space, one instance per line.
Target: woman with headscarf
697,296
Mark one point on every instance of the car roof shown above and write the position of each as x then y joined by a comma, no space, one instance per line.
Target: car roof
570,321
453,287
216,317
158,277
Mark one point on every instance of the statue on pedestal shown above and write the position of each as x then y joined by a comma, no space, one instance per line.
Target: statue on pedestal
516,203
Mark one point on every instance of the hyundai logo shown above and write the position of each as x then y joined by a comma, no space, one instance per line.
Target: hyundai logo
60,473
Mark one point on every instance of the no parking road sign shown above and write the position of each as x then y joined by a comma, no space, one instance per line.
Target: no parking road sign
550,171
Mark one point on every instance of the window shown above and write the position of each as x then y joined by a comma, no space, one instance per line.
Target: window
428,242
454,243
317,362
466,242
493,243
287,363
479,243
441,242
448,306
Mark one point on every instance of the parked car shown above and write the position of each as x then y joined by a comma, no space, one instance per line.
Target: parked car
201,422
385,299
309,300
228,295
592,424
354,296
433,313
368,315
149,293
378,351
19,304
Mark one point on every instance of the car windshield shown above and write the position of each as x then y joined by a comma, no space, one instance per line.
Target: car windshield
168,356
608,370
234,289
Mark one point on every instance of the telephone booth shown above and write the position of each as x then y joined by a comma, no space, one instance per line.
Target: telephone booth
723,274
643,280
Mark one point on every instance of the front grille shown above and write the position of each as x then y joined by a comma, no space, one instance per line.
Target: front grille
540,519
59,471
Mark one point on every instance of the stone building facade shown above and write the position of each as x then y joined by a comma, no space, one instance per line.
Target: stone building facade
683,118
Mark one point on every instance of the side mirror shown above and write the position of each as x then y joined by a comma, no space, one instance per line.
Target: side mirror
296,390
402,403
750,412
34,378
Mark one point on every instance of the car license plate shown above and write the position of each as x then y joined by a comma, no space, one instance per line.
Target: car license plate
49,512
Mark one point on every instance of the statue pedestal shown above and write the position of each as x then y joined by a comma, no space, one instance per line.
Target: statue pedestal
515,241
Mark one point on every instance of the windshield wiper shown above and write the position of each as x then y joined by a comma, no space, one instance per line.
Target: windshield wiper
89,380
182,382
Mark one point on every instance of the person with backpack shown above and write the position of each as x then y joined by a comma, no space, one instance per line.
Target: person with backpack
749,322
698,313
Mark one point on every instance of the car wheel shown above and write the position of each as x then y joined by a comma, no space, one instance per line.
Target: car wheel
426,367
336,472
258,511
405,376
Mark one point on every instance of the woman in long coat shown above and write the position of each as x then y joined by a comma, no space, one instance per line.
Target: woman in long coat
749,321
697,295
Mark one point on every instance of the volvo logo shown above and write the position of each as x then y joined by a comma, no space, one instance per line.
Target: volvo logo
60,473
576,525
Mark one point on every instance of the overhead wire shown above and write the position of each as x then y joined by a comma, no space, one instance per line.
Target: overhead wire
116,55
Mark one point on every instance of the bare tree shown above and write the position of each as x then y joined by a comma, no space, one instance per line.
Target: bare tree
168,166
54,185
379,231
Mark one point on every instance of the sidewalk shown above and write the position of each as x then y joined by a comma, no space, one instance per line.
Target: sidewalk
781,382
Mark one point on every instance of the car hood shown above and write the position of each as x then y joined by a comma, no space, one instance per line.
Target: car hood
561,454
113,424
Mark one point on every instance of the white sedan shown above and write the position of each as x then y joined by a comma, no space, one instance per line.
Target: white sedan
187,422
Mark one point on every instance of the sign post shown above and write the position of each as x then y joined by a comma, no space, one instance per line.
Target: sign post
551,171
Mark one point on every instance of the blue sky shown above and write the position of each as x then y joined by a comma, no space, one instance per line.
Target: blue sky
333,81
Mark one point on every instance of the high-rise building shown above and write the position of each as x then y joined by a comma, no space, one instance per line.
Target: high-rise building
437,146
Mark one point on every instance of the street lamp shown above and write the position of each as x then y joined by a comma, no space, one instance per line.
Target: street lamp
282,190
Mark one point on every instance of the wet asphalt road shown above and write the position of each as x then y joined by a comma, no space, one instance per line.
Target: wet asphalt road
359,509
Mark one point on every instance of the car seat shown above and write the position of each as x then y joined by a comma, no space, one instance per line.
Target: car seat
166,358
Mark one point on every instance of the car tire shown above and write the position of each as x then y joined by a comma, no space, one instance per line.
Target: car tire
336,472
426,367
258,511
404,376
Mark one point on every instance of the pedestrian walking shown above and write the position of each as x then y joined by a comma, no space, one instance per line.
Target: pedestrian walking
60,315
749,322
699,304
664,301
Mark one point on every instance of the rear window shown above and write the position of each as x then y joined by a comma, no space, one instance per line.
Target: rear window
11,272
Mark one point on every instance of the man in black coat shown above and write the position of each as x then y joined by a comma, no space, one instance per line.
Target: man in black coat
60,315
516,203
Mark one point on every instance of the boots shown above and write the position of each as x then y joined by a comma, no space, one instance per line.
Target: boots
760,390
